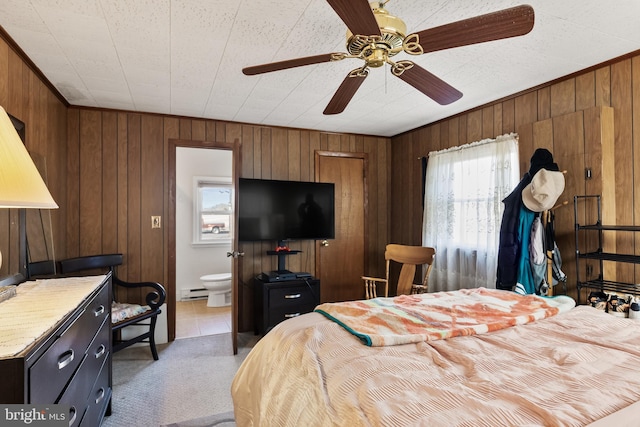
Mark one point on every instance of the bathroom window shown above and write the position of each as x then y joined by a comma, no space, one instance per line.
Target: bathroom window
213,208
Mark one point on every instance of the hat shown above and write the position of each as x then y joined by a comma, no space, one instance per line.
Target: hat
543,191
542,159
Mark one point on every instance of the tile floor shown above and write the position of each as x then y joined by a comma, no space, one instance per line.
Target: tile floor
194,319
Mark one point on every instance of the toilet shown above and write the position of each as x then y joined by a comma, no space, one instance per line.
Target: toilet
219,287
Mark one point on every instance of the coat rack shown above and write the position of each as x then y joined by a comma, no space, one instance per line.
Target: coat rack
546,217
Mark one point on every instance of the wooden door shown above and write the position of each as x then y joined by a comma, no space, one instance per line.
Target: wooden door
235,253
579,141
340,262
171,225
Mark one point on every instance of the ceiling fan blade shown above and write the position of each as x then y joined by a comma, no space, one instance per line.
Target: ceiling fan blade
291,63
357,15
345,92
512,22
425,82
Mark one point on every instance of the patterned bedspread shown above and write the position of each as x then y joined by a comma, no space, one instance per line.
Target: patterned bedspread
570,370
434,316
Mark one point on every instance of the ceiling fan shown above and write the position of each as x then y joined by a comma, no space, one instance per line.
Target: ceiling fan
375,36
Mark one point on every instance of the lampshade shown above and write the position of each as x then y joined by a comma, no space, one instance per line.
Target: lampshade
21,185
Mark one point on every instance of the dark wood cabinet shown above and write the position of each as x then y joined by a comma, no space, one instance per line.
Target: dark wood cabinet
70,362
282,300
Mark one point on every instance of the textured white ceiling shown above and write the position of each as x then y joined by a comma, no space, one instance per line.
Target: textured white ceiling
185,57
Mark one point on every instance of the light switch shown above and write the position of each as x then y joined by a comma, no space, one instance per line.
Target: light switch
155,221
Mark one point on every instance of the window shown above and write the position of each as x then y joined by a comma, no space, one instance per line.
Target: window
470,202
464,189
213,208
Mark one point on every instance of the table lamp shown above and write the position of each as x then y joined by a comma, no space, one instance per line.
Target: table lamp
21,185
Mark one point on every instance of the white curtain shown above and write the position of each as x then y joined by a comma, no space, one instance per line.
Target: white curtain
464,189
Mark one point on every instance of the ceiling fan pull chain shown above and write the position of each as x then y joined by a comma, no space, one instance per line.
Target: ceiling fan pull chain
385,80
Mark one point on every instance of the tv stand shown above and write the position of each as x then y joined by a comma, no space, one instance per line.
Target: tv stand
282,253
278,301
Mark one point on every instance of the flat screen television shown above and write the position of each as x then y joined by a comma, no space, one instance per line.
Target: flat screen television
285,210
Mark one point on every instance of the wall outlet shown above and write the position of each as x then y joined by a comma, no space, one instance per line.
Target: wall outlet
155,221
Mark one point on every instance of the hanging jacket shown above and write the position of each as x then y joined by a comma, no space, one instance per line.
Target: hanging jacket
509,249
510,239
538,257
524,275
551,245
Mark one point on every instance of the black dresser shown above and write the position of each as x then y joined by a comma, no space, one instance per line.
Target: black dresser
67,360
282,300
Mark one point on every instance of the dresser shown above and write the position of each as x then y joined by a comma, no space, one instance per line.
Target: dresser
282,300
55,346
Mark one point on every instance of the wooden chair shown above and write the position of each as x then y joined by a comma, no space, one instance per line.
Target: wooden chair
13,280
154,299
410,257
41,269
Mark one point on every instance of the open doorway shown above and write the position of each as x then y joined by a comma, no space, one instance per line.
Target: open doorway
203,223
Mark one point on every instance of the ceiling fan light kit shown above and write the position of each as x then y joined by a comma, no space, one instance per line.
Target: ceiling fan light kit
374,36
392,33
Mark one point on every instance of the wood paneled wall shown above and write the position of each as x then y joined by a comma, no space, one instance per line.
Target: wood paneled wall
615,85
117,179
279,153
108,172
24,95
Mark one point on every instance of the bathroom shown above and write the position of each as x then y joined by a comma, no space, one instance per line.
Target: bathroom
204,219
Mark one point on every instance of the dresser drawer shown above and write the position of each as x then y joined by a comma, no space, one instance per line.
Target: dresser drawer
80,386
49,375
278,315
77,392
97,310
99,398
291,296
278,301
76,415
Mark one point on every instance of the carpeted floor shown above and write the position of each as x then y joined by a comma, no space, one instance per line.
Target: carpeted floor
218,420
190,383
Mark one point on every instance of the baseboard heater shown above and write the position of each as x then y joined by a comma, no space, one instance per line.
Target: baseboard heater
198,293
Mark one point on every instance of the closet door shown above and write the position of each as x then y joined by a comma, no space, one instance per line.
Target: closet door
580,142
340,262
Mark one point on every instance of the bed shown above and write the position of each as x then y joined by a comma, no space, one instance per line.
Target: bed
557,365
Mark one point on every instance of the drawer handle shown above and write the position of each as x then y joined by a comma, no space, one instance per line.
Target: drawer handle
99,311
101,395
292,296
65,359
100,351
73,414
292,315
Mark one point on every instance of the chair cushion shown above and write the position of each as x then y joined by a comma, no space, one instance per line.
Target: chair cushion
123,311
